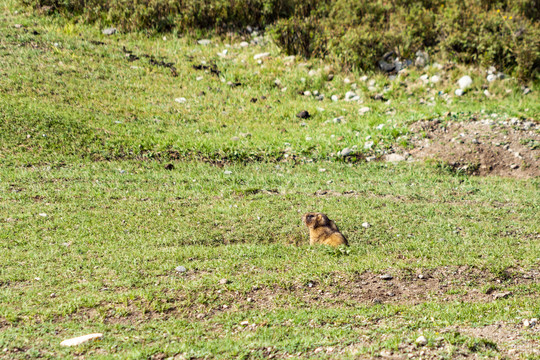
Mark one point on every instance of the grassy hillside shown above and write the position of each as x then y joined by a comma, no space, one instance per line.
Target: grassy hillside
124,157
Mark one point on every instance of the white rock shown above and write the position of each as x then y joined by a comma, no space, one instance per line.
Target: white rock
424,78
345,152
204,42
363,110
465,82
491,77
261,56
322,170
227,172
435,79
349,95
42,214
244,44
347,81
337,120
364,78
81,339
394,157
380,127
421,340
487,93
459,92
180,100
312,73
307,93
491,70
366,225
335,98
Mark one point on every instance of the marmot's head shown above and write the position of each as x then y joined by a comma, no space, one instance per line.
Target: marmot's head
313,220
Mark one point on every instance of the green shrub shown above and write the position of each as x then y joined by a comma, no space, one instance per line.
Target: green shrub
504,33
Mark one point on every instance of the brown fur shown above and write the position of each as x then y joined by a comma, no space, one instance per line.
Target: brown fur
322,230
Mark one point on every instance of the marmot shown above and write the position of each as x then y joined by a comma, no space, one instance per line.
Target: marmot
322,230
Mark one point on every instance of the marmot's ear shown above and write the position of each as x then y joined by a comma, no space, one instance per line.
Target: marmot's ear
321,219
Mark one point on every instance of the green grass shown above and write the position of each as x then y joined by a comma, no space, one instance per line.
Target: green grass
84,139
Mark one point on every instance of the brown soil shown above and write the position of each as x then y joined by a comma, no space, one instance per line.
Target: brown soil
480,147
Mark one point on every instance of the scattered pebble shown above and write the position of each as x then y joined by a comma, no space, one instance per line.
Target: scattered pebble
244,44
366,225
345,152
459,92
81,339
204,42
180,100
465,82
363,110
42,214
180,269
223,281
491,77
421,340
335,98
502,295
244,323
394,157
261,56
386,277
368,145
109,31
227,172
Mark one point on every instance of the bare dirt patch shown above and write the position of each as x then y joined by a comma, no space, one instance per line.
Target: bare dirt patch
480,147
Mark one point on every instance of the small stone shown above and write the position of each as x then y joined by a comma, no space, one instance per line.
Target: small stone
244,323
180,269
345,152
502,295
81,339
303,114
109,31
261,56
514,166
330,77
322,170
363,110
435,79
42,214
312,73
235,138
487,93
368,145
491,77
307,93
386,277
533,322
180,100
223,281
465,82
244,44
366,225
350,95
377,301
227,172
337,120
249,299
334,98
394,158
380,127
347,81
526,90
526,323
204,42
18,26
459,92
421,341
